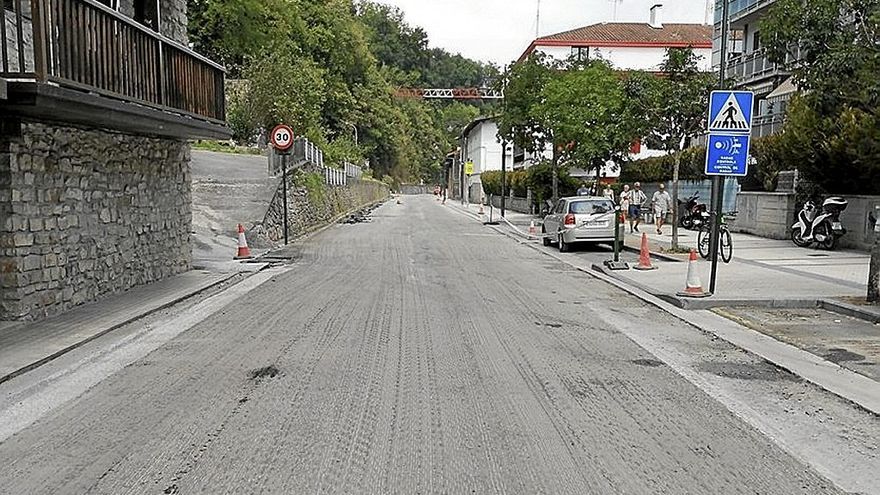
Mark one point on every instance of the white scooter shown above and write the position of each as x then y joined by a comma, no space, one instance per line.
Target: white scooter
824,229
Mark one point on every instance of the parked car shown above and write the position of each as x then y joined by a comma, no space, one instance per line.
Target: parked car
580,219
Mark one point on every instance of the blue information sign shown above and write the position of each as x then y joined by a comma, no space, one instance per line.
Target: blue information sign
731,111
727,154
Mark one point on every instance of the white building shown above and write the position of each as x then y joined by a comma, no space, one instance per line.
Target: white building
627,46
480,144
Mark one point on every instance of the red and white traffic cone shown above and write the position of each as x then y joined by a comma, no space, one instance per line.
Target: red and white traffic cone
693,286
645,256
533,229
244,252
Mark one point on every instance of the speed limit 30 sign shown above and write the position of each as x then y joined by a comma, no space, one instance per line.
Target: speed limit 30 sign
282,137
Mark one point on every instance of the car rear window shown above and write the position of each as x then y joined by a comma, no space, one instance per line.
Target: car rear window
590,207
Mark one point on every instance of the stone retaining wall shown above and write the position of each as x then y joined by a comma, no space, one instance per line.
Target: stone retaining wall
312,203
86,213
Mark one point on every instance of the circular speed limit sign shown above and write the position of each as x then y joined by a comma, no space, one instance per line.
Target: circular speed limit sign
282,137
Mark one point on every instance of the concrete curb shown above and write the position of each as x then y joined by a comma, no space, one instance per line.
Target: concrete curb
829,376
116,326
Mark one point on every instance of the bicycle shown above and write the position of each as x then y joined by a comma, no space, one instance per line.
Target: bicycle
725,241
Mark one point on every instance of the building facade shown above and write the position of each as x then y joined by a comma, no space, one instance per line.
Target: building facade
480,144
97,103
628,47
748,66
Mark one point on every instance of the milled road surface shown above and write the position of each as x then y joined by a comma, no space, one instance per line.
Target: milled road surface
418,353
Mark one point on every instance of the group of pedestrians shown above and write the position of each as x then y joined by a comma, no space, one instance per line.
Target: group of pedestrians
633,201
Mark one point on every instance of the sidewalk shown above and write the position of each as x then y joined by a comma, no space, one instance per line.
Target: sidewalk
28,345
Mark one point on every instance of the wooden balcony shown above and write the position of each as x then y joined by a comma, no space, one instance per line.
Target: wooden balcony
78,61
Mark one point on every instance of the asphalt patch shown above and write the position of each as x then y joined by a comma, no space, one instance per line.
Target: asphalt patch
746,371
266,372
652,363
838,356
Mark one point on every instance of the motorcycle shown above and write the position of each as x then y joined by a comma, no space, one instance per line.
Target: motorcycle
692,214
823,228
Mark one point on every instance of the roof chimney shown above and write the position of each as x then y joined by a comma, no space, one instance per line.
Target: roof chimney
657,16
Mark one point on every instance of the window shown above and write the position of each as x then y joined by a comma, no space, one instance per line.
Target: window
580,53
756,41
591,207
560,207
146,12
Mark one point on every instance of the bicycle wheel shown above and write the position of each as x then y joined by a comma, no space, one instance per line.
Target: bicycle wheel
726,245
703,241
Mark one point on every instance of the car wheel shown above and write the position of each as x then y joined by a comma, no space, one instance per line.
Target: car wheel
544,240
564,247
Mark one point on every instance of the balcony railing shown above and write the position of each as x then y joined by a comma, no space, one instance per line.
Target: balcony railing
765,125
751,67
84,45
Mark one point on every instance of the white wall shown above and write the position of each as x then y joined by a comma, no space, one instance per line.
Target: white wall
484,149
627,58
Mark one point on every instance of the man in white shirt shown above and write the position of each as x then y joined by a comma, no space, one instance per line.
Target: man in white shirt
662,204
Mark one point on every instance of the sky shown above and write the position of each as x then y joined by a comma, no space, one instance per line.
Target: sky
500,30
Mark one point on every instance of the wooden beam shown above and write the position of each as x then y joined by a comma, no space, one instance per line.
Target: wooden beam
43,102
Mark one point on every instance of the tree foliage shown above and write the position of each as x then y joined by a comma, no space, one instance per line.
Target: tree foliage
330,69
832,132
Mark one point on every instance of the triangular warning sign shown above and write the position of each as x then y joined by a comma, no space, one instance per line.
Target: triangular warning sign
730,117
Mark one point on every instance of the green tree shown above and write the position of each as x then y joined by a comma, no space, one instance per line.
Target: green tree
679,104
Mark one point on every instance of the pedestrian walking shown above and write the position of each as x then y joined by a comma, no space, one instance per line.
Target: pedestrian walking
583,190
625,201
661,203
608,192
638,200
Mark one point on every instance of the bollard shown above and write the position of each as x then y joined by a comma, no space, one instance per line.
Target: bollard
616,264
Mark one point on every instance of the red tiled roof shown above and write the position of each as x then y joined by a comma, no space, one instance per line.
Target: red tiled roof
623,34
641,33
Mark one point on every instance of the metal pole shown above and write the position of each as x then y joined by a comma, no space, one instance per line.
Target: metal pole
717,182
503,175
617,234
284,192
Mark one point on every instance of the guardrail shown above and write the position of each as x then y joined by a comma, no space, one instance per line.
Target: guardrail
85,45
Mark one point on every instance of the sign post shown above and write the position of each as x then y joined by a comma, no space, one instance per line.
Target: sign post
727,151
282,139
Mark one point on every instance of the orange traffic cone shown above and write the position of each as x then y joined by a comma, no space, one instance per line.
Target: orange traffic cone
645,256
244,252
694,287
533,229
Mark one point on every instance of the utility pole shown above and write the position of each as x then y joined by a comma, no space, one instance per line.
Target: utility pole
538,21
503,174
717,181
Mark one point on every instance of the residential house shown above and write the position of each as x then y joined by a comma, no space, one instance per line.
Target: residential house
627,46
97,103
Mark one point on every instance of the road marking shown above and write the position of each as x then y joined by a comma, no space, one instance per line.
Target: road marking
22,408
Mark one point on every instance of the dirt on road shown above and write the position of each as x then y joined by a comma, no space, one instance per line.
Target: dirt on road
418,353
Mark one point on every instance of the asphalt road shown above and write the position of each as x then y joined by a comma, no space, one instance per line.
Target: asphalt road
418,353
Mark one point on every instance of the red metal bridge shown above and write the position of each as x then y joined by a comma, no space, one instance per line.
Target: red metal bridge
451,93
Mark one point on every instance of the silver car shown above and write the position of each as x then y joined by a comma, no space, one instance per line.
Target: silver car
580,219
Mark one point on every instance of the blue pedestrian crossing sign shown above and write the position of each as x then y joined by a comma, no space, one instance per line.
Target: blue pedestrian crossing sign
727,154
731,111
